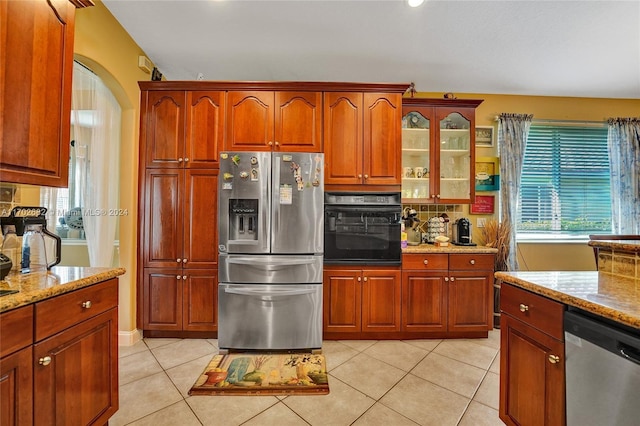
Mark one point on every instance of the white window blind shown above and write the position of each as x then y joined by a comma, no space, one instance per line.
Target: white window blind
565,188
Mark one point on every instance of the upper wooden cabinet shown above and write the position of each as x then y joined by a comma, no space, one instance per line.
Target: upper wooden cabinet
362,138
438,150
282,121
36,67
182,129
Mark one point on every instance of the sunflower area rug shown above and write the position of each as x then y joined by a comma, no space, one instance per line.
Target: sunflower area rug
263,374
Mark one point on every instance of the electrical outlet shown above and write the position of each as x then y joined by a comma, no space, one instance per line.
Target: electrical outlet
481,222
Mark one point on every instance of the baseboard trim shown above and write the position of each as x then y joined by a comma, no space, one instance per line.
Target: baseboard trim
129,338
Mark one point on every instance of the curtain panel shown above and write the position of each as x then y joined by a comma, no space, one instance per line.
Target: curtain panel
624,160
512,141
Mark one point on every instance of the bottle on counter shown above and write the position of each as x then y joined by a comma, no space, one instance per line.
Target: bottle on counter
403,236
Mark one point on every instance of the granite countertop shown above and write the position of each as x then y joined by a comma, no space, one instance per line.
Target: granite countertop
37,286
621,245
611,296
451,248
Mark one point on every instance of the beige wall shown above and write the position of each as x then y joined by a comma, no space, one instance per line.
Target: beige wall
103,45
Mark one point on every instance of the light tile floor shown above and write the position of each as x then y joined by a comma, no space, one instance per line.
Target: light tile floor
372,382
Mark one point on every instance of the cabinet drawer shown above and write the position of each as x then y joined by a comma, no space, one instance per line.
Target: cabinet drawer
16,329
471,262
425,261
61,312
535,310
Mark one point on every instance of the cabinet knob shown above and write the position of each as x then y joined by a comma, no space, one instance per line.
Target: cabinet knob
523,307
554,359
366,176
45,360
86,304
446,279
277,143
365,279
184,260
186,159
472,261
270,143
359,279
184,277
178,277
178,260
180,160
426,262
437,195
453,279
359,176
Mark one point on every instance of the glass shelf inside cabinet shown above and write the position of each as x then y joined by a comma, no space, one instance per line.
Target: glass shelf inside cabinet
455,157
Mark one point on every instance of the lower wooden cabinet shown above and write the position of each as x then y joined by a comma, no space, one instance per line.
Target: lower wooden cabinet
532,376
68,373
360,301
180,299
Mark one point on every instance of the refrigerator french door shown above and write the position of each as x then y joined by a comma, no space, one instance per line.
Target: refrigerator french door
271,234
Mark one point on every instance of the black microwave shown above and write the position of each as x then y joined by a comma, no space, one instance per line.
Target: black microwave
362,228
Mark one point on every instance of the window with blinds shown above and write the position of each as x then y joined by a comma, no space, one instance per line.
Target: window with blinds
565,188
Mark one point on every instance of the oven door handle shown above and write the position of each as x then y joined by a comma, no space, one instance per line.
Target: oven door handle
362,209
269,262
246,291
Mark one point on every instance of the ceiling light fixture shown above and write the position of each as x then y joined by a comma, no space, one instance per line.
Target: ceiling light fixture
415,3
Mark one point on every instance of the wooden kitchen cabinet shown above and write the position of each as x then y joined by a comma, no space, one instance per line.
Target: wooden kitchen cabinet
283,121
358,302
180,299
16,369
438,150
183,129
532,376
36,59
362,138
179,250
447,295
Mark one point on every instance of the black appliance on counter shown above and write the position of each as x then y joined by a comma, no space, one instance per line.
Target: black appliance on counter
362,228
462,232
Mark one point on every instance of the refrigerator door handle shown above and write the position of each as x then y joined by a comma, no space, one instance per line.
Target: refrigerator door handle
275,202
253,292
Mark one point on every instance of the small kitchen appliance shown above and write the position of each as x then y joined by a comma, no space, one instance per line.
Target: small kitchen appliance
462,232
27,242
412,226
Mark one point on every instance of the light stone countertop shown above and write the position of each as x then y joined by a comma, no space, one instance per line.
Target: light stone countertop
37,286
611,296
618,245
451,248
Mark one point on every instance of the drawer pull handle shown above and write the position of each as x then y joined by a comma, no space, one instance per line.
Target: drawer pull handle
523,307
86,304
426,262
554,359
45,360
472,261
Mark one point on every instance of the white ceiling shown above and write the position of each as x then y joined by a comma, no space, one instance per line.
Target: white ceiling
550,48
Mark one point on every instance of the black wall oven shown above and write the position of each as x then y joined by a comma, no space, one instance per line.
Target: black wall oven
362,228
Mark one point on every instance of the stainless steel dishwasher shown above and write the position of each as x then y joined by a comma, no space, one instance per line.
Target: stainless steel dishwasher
602,371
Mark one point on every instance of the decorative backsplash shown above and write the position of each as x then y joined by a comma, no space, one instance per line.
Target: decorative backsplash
427,211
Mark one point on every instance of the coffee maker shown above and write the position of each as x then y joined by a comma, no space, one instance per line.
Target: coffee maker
462,232
24,233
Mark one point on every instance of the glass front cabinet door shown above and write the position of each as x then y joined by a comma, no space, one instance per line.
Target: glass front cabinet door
438,150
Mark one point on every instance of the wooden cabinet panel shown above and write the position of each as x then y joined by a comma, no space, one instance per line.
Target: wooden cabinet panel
531,387
250,120
162,299
544,314
16,386
424,297
16,329
382,138
470,301
200,219
163,218
164,128
342,300
200,307
79,384
204,128
298,121
77,305
343,129
380,300
36,59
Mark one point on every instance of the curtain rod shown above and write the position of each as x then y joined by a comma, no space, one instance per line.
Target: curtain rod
568,122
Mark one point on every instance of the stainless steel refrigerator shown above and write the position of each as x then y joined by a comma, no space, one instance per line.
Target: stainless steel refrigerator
271,250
